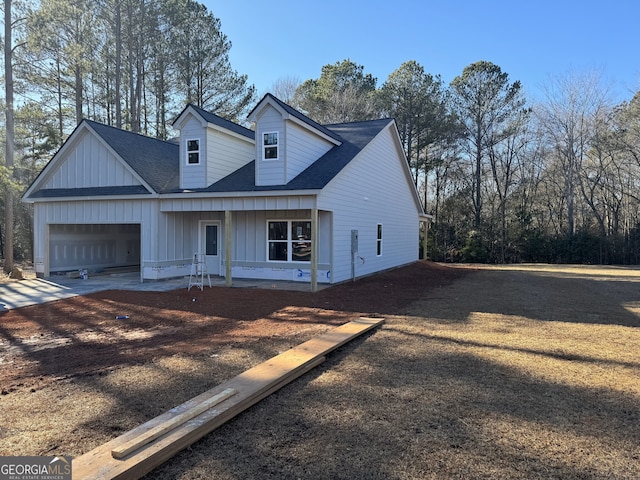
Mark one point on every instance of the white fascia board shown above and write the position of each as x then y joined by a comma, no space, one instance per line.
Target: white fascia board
392,127
267,102
51,165
257,193
121,160
90,198
179,122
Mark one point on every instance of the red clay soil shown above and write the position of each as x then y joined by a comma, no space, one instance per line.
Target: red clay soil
78,336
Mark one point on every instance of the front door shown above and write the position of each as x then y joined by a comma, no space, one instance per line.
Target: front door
210,246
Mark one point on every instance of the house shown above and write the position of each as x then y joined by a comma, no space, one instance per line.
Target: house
292,200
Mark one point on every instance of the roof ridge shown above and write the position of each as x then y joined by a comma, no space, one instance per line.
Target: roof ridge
300,116
386,119
122,130
221,121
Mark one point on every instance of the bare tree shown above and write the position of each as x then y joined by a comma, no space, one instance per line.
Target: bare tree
285,88
573,104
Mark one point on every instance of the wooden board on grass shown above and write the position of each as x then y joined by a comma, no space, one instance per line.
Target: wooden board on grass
249,388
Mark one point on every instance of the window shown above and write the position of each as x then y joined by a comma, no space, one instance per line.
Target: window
211,240
379,241
193,151
270,146
289,241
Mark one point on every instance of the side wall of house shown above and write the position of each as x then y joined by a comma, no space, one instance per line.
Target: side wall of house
372,190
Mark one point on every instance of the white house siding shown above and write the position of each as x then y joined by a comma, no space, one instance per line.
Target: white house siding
249,254
303,148
225,154
207,204
89,164
373,189
193,176
271,172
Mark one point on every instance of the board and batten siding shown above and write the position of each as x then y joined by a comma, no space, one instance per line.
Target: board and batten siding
271,172
193,176
249,234
303,148
374,188
90,164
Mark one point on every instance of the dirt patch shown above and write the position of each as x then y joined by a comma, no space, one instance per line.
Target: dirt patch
67,338
477,373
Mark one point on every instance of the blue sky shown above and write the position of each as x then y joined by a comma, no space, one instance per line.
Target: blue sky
532,41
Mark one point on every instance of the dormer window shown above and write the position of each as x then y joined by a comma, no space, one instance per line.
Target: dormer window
270,146
193,151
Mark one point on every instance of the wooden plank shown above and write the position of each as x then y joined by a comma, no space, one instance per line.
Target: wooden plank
251,386
159,430
98,464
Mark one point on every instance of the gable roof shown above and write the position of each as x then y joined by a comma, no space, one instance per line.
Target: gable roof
156,161
214,119
268,98
353,136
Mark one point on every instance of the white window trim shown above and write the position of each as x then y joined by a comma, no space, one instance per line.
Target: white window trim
379,237
187,151
277,146
289,240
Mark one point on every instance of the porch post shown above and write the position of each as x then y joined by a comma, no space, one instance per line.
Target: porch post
227,247
47,251
314,249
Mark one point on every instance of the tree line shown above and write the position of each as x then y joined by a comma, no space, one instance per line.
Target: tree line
506,179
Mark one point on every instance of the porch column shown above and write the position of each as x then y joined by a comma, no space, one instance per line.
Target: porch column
424,240
47,251
314,249
227,247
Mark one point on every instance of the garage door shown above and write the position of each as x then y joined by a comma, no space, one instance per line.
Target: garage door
94,247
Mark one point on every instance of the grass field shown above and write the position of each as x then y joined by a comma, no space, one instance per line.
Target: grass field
497,373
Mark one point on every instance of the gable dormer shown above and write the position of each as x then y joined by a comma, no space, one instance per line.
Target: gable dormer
287,142
211,147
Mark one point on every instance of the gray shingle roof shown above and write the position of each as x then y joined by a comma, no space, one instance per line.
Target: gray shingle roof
354,136
222,122
299,115
156,161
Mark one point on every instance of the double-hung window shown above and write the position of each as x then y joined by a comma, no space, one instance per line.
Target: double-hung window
289,240
193,151
270,146
379,241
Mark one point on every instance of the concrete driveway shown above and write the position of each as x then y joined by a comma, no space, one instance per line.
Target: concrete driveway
15,294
